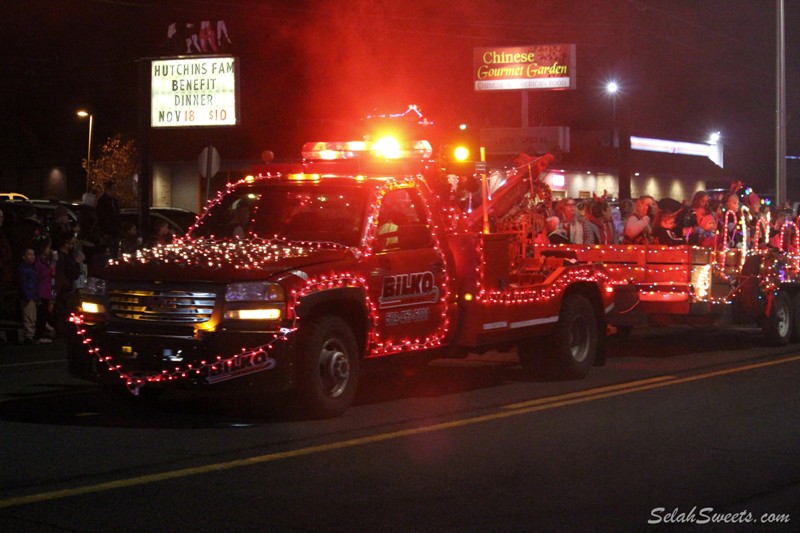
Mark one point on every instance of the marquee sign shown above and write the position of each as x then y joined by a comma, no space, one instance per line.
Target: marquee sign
194,91
511,141
524,67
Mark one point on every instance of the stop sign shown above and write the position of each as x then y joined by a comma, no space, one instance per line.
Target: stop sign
208,162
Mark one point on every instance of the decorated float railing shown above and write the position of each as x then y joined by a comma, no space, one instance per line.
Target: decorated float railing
671,275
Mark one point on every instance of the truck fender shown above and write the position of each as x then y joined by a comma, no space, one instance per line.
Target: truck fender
348,302
330,296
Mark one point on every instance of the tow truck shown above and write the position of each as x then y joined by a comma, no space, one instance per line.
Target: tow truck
294,278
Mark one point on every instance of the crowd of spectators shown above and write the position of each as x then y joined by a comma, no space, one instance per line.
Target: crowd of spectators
703,221
44,263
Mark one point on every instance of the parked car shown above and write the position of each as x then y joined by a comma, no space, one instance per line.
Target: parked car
12,196
179,220
14,210
182,218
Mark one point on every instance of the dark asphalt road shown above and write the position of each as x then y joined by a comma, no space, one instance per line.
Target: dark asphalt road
679,419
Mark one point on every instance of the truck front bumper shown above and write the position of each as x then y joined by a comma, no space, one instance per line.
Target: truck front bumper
104,353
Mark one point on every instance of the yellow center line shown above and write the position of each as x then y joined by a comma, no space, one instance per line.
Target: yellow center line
517,409
590,392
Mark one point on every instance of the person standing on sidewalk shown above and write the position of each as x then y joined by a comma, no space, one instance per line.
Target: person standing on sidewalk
45,279
28,285
68,269
108,216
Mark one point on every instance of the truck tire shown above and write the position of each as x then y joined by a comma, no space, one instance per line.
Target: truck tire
777,326
327,367
570,350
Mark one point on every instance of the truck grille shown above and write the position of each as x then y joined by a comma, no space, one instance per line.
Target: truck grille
165,306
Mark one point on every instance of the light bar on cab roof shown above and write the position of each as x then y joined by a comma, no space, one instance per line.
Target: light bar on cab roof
330,151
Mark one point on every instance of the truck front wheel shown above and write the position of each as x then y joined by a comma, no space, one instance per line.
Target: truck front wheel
327,367
570,350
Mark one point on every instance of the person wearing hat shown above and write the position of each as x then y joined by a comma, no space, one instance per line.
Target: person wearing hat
60,224
25,232
705,234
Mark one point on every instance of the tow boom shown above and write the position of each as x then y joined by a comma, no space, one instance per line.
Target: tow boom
509,194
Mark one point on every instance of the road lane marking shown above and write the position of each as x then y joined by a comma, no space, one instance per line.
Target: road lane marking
508,411
637,386
590,392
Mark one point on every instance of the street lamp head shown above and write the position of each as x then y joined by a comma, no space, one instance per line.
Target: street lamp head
612,88
82,113
714,137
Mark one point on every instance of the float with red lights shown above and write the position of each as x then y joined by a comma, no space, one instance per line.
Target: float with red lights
755,281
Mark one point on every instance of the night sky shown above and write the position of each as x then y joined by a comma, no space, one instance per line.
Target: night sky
310,69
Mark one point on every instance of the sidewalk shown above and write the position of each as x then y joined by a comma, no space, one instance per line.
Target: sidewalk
13,350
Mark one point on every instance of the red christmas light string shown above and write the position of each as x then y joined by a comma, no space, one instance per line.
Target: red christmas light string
134,381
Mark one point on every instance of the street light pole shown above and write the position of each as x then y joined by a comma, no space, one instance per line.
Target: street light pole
84,114
620,148
612,88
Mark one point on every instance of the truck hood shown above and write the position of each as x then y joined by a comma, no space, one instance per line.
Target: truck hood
229,260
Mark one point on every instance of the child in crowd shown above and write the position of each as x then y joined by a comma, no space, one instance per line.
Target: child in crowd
707,231
45,273
26,278
665,232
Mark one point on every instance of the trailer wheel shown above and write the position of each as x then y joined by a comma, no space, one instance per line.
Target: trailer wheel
327,368
571,348
777,326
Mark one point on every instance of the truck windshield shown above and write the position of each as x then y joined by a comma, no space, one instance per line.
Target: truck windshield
318,213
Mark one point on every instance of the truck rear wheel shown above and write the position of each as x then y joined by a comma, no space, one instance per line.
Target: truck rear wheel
327,367
570,350
777,325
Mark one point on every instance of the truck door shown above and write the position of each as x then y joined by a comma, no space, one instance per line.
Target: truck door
407,278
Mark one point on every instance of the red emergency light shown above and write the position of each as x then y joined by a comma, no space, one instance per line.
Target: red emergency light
383,148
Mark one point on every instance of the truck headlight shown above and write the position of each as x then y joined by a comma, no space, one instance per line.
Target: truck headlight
258,291
95,287
92,308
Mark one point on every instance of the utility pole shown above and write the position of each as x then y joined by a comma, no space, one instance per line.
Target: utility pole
780,108
624,134
145,163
